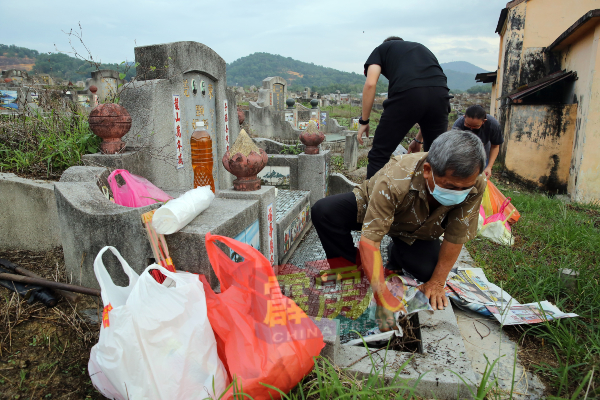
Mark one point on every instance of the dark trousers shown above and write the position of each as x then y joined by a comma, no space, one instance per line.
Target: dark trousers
427,106
334,218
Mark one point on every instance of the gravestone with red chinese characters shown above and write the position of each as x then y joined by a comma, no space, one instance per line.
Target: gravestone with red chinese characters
177,85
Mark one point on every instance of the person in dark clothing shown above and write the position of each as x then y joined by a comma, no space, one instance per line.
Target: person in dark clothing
487,128
417,93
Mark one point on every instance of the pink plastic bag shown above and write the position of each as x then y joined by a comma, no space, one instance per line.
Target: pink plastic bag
499,216
136,192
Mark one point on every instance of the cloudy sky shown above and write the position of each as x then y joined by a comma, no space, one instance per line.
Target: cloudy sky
338,34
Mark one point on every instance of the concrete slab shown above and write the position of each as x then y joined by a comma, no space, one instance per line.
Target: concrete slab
443,357
29,218
482,338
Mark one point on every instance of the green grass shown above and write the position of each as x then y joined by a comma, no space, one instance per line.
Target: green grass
45,144
551,235
344,113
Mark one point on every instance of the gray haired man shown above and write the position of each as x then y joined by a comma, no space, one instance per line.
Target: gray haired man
415,199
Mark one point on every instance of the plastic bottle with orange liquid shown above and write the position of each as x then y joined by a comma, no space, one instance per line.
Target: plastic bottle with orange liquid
202,157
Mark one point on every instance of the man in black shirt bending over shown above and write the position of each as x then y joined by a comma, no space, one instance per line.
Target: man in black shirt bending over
417,93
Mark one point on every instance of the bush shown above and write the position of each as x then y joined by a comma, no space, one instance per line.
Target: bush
43,145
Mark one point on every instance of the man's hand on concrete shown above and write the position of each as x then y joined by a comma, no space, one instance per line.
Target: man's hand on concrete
361,130
488,171
414,147
435,292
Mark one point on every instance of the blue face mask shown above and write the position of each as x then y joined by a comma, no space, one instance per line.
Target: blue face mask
447,197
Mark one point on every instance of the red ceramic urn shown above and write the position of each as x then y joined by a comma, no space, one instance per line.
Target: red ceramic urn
245,160
111,122
312,138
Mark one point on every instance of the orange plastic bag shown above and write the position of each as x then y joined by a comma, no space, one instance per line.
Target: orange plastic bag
493,200
262,336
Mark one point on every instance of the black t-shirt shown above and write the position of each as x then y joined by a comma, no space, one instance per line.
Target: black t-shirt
407,65
490,133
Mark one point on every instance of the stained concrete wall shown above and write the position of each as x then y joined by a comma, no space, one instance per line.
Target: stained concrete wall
539,143
587,186
530,27
29,219
583,56
547,19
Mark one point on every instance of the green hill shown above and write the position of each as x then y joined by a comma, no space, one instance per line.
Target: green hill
252,69
57,65
246,71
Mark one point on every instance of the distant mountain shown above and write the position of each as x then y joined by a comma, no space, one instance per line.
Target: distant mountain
460,80
462,66
252,69
461,74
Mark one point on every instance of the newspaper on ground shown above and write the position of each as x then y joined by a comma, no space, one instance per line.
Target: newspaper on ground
404,289
531,313
469,288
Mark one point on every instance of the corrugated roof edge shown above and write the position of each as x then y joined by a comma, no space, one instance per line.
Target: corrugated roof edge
487,77
540,84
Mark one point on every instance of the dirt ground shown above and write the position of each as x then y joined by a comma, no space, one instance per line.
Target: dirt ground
44,351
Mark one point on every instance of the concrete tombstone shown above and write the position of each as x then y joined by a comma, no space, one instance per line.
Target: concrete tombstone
166,102
277,87
108,83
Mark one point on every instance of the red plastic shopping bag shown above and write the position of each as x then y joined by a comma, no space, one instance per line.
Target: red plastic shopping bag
262,336
136,192
492,201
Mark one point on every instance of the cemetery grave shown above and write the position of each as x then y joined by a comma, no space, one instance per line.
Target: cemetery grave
275,219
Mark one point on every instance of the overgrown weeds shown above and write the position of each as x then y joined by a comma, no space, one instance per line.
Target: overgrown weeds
42,144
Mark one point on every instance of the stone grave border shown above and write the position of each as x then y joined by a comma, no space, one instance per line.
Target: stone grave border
443,351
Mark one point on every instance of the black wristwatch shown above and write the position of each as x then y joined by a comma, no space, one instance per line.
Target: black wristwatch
415,139
363,122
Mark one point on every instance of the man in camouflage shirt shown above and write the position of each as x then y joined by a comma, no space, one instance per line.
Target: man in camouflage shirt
415,199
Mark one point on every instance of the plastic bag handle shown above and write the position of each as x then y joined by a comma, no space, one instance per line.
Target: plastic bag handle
509,215
166,272
240,248
505,204
104,280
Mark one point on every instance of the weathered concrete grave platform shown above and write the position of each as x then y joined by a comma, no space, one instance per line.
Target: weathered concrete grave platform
343,295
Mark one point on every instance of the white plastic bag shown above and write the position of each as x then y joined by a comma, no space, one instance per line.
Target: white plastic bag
155,341
179,212
497,232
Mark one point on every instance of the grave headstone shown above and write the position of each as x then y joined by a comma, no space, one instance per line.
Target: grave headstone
277,87
165,104
108,83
